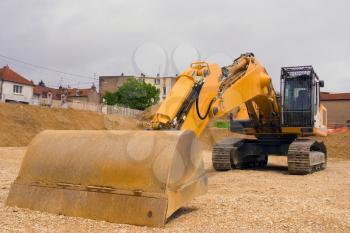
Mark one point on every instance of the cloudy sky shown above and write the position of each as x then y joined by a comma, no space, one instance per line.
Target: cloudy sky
81,39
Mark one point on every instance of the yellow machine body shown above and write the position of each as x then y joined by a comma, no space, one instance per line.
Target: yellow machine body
142,177
199,71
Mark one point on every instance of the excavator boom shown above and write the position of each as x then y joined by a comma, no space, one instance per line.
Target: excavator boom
213,92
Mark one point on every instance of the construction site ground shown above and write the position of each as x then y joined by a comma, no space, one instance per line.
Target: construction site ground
265,200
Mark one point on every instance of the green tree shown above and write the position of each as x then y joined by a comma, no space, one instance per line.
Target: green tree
41,83
134,94
110,98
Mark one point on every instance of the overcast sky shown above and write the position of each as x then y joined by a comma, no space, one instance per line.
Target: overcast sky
158,36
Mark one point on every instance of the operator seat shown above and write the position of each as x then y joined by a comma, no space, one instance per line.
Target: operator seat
302,99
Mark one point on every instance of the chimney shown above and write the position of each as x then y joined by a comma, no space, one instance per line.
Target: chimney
93,87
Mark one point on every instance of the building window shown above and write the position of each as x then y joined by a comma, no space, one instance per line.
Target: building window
164,90
157,81
17,89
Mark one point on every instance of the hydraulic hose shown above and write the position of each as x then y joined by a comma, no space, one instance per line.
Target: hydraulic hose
207,112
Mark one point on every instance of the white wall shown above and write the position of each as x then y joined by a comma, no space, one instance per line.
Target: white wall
36,100
25,96
164,82
1,91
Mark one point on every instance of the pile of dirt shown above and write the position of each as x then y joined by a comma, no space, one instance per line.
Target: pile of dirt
338,145
149,112
20,123
122,122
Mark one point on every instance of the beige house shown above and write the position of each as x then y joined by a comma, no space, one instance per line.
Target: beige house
338,106
112,83
164,84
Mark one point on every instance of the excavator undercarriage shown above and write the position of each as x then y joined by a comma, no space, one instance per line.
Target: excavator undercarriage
304,155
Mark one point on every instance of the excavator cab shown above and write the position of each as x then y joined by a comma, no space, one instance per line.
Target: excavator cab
300,99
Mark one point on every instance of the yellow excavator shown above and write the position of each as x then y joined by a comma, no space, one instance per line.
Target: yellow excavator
143,177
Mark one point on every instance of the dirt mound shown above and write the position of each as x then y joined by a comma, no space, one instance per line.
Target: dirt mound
149,112
20,123
122,122
338,145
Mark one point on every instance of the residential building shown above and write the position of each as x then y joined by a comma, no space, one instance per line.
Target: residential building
164,84
338,106
47,96
14,87
52,97
86,95
112,83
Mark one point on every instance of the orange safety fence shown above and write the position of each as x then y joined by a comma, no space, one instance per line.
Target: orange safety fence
336,128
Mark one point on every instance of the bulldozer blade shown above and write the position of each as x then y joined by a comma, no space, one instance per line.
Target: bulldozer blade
132,177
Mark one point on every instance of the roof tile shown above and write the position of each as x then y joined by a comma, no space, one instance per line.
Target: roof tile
40,90
326,96
9,75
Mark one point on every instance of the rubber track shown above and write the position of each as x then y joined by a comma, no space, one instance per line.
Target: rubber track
221,154
299,157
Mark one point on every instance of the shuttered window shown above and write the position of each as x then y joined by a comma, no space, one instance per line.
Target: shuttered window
17,89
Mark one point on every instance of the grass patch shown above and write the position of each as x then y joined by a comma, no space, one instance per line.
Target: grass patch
222,124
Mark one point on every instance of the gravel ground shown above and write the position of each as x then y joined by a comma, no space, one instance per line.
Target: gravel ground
238,201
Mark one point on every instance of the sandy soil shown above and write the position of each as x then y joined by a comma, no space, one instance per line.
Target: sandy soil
338,145
20,123
238,201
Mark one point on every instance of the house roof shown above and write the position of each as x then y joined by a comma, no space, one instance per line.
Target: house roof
9,75
40,90
326,96
116,76
137,77
75,92
57,93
